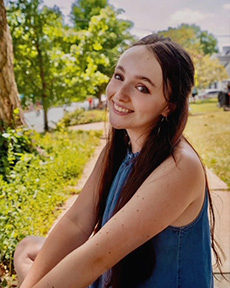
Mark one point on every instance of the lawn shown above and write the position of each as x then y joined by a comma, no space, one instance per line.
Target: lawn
208,130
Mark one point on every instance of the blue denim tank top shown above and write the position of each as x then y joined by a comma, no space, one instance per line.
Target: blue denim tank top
183,254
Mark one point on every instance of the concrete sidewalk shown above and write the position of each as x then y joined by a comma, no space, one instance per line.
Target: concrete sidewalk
221,202
219,192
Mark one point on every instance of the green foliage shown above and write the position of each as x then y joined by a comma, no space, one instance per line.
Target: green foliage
208,71
13,144
80,116
192,38
35,32
201,45
38,184
83,10
56,63
208,42
95,52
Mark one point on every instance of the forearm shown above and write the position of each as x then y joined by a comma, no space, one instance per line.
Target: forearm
77,270
64,238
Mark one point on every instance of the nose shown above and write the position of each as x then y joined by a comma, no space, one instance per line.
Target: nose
123,93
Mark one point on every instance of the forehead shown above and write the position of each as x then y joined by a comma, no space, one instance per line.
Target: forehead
139,60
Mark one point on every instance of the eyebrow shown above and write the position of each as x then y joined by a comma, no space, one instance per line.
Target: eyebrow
137,76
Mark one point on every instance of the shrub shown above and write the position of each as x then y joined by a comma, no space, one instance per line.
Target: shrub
80,116
38,183
13,144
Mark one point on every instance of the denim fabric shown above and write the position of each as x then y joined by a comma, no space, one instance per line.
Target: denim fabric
183,254
118,184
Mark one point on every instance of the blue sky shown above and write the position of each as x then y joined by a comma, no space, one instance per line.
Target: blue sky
155,15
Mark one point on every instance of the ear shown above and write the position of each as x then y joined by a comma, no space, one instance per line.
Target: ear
168,109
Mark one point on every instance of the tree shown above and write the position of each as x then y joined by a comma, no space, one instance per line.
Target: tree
192,37
9,100
184,35
208,43
201,45
208,71
105,36
58,63
83,10
36,35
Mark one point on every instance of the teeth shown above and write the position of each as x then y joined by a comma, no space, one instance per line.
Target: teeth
118,108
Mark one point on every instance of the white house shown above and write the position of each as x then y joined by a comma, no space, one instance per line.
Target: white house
224,58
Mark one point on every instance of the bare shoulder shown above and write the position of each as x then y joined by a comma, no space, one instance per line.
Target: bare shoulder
187,160
180,179
185,165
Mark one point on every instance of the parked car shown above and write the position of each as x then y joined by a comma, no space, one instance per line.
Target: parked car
208,93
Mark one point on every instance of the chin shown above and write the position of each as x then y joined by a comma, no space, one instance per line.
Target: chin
116,125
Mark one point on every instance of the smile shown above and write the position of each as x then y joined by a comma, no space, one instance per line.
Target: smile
120,109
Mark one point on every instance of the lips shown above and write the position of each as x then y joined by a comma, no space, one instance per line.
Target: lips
121,109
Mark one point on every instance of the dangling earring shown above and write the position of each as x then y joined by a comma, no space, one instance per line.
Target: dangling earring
161,122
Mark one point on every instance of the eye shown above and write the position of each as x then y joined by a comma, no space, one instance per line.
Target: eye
118,76
143,89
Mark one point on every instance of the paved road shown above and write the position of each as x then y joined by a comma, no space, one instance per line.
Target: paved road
36,122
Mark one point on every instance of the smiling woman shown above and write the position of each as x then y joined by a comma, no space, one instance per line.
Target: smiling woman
141,220
135,94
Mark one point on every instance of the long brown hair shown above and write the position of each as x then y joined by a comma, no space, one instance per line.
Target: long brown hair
178,80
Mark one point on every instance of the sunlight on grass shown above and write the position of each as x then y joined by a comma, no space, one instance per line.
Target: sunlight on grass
204,106
208,130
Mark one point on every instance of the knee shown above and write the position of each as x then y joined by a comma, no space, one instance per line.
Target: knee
25,254
23,244
27,249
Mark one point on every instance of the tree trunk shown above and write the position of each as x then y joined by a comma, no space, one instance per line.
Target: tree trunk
44,85
46,127
9,99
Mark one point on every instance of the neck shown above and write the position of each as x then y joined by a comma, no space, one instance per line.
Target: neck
136,142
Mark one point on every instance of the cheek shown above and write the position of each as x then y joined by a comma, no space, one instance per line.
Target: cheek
109,90
150,108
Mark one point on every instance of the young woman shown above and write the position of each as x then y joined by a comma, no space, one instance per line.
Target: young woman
147,198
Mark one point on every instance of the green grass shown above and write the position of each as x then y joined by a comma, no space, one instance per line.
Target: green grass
204,106
208,130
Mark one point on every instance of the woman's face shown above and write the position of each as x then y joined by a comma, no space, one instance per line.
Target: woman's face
135,92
